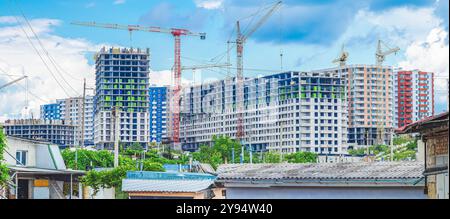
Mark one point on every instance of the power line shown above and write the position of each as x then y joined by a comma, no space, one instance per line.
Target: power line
40,56
55,65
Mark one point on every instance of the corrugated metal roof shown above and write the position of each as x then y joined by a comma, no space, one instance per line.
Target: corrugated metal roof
411,128
321,171
168,176
137,185
36,170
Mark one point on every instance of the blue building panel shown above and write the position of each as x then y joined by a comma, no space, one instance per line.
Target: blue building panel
50,112
158,113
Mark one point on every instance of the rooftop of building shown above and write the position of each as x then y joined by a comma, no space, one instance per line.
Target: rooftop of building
119,50
361,172
166,182
37,122
425,124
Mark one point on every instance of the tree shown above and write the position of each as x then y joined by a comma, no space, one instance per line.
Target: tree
301,157
4,176
272,157
136,147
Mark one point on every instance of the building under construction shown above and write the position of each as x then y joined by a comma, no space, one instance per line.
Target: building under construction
59,132
122,85
370,94
288,112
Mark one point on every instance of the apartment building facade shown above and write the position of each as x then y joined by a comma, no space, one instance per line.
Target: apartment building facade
59,132
370,95
71,109
282,112
122,84
158,113
414,96
50,112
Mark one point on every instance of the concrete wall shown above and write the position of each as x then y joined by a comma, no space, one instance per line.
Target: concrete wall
326,193
14,145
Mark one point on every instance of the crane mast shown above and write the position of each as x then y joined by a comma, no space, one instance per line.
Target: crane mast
240,41
380,58
177,70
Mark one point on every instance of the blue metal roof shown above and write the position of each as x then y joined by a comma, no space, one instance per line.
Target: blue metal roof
169,176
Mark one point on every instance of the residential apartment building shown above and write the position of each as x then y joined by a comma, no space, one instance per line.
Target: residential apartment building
158,114
50,112
370,94
59,132
287,112
414,96
122,83
71,109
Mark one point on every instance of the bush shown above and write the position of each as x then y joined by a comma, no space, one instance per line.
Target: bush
4,171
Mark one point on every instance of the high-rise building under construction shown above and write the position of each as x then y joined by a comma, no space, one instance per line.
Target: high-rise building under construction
370,94
287,112
122,84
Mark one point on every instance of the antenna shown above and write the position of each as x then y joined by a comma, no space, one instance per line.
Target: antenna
281,59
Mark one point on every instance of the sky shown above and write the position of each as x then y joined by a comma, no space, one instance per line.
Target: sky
309,34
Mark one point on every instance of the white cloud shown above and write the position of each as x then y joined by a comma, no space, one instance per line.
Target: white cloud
209,4
17,57
419,32
164,78
432,55
119,2
7,20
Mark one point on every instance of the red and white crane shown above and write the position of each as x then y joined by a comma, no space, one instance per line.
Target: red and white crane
176,33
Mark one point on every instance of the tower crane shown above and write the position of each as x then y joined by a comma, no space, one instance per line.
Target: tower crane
381,55
176,33
343,57
380,58
240,41
13,82
197,67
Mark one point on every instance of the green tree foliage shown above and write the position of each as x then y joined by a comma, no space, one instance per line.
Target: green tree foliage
402,139
87,158
272,157
301,157
4,176
222,152
105,159
136,147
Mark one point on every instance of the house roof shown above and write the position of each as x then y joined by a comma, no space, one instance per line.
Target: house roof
148,175
297,173
36,170
415,127
137,185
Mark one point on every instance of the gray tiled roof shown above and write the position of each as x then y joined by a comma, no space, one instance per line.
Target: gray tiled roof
321,171
136,185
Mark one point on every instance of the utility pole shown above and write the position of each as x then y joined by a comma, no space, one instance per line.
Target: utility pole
448,95
83,114
392,145
116,112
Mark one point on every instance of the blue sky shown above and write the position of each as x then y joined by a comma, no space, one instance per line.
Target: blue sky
309,32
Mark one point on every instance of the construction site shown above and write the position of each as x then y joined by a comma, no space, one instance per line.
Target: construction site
325,111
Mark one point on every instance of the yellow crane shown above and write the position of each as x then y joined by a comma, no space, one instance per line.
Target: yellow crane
343,57
380,58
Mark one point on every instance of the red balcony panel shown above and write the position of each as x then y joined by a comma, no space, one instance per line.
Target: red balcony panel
423,111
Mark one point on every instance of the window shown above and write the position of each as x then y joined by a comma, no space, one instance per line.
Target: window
21,158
